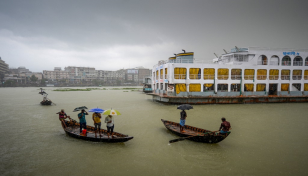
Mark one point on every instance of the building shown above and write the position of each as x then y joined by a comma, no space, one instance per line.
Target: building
56,75
4,67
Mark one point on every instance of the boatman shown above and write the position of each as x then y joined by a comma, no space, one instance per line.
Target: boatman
182,120
62,117
224,126
97,123
82,119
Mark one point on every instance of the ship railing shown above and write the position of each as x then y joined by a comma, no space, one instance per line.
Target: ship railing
179,76
297,77
273,77
194,76
249,77
261,77
285,77
286,63
297,63
262,62
236,77
208,77
224,77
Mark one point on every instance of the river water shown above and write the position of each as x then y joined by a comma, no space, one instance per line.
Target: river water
266,139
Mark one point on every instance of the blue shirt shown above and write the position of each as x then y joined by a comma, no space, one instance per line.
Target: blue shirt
83,117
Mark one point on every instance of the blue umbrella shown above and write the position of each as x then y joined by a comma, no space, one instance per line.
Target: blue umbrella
98,110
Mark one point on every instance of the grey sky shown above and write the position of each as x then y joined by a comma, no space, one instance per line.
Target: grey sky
109,35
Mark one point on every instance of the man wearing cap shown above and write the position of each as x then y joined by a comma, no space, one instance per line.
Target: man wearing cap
82,119
225,126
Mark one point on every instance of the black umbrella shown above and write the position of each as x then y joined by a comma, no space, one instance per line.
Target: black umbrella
185,107
80,108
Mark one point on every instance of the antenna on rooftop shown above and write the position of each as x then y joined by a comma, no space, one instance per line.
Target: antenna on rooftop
215,55
225,51
183,50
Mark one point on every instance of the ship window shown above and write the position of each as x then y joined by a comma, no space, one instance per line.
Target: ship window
236,74
194,87
208,73
235,87
285,74
298,61
248,88
223,73
262,60
284,87
261,74
306,74
296,87
306,61
249,74
222,87
194,73
274,74
161,73
179,73
157,74
272,89
305,87
286,61
180,88
208,87
274,60
166,73
240,58
261,87
297,75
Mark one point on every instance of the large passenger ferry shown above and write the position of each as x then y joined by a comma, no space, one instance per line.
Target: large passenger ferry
243,75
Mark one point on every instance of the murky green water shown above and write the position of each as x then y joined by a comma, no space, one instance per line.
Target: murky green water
266,139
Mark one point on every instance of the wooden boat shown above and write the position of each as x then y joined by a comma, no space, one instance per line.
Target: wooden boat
72,128
46,102
194,133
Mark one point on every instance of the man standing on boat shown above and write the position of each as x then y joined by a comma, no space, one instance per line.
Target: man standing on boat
97,123
182,120
110,125
62,117
82,119
224,126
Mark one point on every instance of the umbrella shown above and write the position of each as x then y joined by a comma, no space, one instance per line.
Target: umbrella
80,108
98,110
111,112
185,107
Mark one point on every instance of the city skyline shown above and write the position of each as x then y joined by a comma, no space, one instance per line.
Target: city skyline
111,35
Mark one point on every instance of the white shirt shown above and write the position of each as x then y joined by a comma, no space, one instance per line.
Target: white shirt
107,119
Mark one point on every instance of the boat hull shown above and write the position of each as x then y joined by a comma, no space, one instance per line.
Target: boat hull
44,103
72,129
200,135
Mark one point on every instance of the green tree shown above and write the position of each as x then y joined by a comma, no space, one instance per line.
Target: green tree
33,78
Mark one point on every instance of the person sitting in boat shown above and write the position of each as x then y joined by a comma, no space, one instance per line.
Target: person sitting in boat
82,119
224,126
182,120
62,117
110,125
97,123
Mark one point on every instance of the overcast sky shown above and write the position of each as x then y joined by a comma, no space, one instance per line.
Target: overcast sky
114,34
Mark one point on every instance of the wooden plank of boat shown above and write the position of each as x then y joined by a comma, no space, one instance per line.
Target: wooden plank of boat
72,129
194,133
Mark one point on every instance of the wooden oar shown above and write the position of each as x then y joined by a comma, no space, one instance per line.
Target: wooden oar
183,138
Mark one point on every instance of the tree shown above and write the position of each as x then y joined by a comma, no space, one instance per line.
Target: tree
33,78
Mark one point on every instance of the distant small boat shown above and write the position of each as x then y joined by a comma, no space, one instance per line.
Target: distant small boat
73,129
50,85
46,102
194,133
